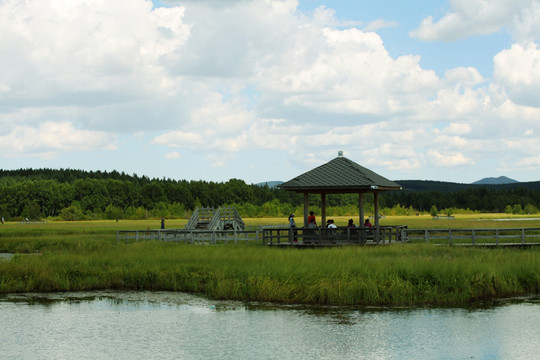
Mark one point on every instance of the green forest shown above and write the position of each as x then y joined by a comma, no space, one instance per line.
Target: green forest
67,194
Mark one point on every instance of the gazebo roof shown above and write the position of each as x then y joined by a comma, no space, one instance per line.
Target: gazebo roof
339,175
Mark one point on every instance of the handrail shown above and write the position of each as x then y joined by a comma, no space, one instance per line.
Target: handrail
273,235
238,218
189,236
479,236
198,215
193,219
215,221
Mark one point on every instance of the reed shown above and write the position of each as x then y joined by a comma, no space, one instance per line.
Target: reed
70,259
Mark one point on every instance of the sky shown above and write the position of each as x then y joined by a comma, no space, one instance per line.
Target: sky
265,90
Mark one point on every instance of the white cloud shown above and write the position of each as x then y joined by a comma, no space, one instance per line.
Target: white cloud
345,72
220,117
102,48
467,77
225,78
448,159
173,155
481,17
457,129
178,139
219,160
517,71
532,162
50,138
380,24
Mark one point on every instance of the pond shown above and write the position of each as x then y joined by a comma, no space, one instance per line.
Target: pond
161,325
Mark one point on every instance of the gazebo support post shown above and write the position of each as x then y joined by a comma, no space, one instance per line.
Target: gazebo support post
323,210
376,201
306,206
361,209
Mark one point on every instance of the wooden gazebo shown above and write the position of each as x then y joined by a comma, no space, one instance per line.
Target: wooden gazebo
340,176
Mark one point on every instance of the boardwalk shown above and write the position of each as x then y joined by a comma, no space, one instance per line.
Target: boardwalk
283,236
211,237
509,237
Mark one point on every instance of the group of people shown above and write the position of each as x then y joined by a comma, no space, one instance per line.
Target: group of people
312,222
330,224
351,224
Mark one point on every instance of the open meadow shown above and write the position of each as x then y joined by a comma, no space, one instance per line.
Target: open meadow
85,256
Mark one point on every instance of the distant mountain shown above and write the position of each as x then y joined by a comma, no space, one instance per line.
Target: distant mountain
500,183
271,184
449,187
495,181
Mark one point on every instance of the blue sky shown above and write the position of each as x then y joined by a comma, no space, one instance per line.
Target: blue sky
264,90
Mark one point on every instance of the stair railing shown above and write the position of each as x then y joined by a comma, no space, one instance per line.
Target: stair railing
215,222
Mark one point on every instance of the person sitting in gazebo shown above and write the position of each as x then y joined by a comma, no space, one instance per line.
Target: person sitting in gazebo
367,225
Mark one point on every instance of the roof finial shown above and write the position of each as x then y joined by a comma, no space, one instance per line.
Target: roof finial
340,153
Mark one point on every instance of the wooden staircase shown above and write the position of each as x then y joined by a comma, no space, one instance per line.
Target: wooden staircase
215,219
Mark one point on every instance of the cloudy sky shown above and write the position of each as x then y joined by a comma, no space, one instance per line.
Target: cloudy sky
263,90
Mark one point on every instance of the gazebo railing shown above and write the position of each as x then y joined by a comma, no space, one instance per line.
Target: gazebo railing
330,236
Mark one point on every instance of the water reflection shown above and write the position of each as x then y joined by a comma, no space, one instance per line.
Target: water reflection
143,325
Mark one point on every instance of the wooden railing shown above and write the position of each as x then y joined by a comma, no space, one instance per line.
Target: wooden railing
480,237
190,236
329,236
200,214
226,218
284,235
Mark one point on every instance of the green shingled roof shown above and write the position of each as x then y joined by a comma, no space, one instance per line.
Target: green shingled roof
339,175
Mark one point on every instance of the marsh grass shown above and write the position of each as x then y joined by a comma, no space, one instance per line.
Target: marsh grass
88,257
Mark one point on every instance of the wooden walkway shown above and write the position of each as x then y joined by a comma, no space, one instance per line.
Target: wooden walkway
190,236
502,237
283,236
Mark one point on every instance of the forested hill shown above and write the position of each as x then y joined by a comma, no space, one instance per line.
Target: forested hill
450,187
70,175
77,194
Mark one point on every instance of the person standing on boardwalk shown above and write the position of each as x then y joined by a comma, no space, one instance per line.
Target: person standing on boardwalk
292,225
163,222
311,221
312,225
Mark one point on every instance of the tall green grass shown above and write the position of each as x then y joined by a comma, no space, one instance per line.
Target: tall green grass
67,258
390,275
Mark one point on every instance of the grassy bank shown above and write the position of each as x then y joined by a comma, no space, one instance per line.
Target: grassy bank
86,256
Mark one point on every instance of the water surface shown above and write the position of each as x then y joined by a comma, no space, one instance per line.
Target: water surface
146,325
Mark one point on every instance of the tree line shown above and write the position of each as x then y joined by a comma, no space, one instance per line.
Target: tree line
76,195
423,195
